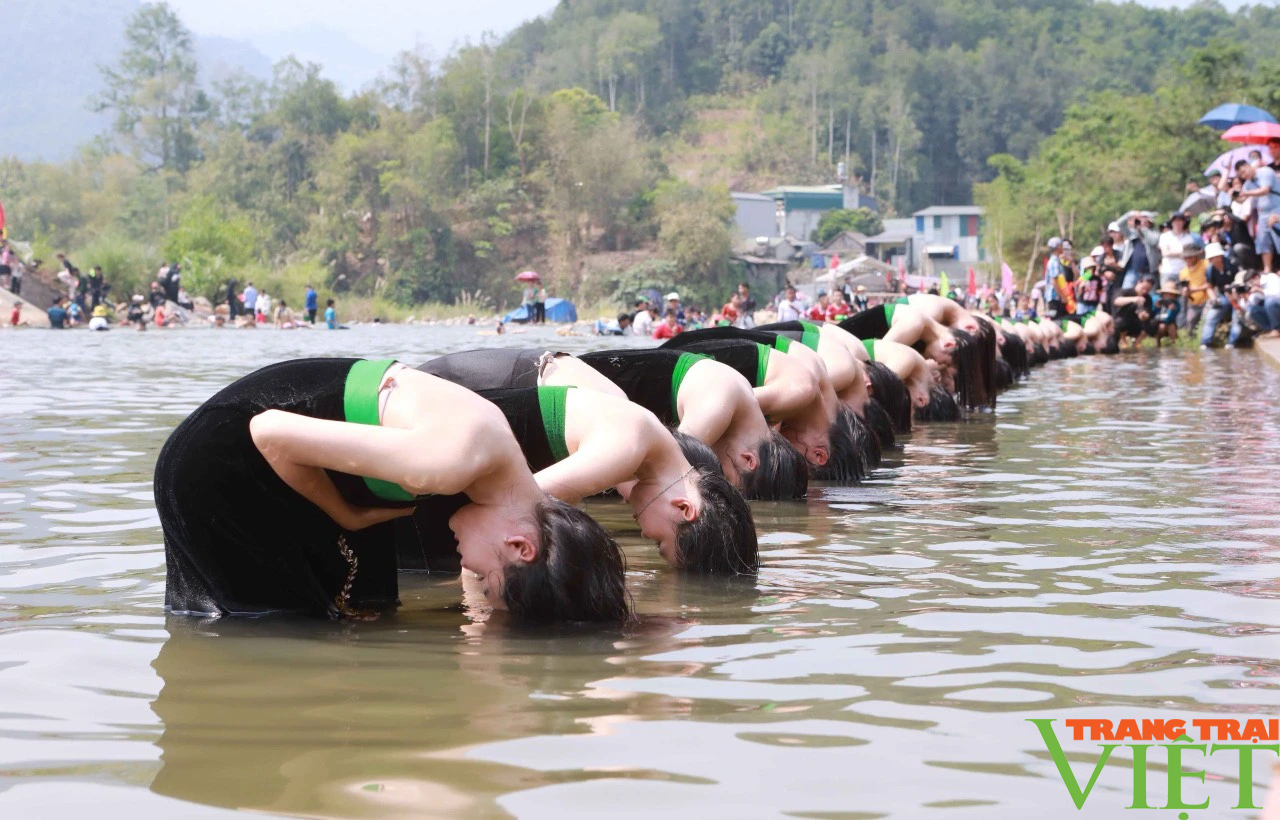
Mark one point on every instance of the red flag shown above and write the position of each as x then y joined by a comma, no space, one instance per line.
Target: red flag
972,286
2,233
835,261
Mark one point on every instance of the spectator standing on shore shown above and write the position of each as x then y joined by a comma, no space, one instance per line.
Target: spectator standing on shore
251,301
233,299
527,297
860,299
1260,187
1054,272
263,308
642,322
1172,246
1195,278
540,305
788,306
747,306
312,302
673,303
1218,307
1088,290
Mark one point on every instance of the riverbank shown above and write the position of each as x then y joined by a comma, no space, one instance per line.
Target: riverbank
1270,350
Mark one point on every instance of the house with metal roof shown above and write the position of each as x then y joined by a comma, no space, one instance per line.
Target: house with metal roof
799,208
948,238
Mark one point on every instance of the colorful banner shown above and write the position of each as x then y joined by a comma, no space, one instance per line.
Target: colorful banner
944,284
971,286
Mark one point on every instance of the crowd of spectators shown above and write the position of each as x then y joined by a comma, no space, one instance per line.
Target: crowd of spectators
1209,269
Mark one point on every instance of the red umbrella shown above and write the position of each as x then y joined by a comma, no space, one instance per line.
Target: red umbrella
528,276
1253,133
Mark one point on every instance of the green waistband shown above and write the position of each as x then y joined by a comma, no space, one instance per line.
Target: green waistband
551,400
888,313
762,364
901,300
809,337
360,406
683,365
782,344
870,345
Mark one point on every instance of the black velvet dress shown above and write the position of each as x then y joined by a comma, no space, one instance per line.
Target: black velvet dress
238,540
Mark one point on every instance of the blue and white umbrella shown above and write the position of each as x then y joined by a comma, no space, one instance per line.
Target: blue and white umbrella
1229,114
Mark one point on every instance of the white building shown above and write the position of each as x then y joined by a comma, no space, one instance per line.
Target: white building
948,238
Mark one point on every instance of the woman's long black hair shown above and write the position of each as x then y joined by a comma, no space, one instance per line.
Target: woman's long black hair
722,539
878,420
781,473
1014,351
846,462
578,574
941,406
891,392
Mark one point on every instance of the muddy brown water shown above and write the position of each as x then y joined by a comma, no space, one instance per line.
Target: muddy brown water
1105,545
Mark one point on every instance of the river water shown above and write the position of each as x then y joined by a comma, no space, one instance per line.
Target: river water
1106,545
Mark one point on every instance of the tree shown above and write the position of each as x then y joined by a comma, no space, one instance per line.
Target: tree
833,223
622,51
694,234
153,90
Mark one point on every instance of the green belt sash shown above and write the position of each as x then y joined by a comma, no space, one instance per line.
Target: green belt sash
683,365
360,406
888,312
782,344
551,401
809,337
870,345
762,364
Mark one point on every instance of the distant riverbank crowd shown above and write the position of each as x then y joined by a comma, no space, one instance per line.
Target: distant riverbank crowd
88,301
1208,269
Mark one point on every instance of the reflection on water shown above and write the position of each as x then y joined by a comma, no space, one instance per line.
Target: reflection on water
1103,546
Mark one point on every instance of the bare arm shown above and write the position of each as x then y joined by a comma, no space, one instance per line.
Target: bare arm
610,440
299,448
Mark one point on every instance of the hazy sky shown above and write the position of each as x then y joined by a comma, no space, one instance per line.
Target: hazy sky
384,26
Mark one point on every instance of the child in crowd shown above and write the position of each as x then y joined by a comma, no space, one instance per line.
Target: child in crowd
669,327
1167,308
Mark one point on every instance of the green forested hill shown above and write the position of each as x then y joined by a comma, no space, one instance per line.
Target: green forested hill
921,91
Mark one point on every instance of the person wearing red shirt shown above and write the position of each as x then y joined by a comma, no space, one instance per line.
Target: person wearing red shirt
838,309
818,311
668,328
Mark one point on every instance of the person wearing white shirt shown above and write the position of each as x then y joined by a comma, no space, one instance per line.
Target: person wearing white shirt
1171,245
642,324
789,308
1267,312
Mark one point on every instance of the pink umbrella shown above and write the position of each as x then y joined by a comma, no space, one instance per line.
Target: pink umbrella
528,276
1253,133
1227,162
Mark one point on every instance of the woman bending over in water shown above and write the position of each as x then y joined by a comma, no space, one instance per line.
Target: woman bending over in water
336,449
581,442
